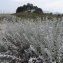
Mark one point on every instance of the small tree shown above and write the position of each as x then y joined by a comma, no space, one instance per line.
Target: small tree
19,9
38,10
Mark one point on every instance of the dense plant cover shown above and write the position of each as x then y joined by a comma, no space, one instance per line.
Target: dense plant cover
29,40
28,8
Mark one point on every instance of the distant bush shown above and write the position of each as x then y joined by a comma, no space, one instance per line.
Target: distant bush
28,8
19,9
38,10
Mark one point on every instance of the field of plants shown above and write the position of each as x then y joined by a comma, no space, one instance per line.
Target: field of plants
31,40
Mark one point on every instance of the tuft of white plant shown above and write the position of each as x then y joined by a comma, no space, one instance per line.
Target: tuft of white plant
29,39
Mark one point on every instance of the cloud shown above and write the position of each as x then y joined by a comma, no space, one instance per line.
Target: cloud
57,3
18,0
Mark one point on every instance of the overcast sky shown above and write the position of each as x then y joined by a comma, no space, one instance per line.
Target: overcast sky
8,6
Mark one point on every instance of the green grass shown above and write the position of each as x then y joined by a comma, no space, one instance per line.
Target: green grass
30,15
35,15
26,15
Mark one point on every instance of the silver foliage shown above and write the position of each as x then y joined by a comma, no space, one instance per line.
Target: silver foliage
33,39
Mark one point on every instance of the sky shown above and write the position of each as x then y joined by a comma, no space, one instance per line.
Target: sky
10,6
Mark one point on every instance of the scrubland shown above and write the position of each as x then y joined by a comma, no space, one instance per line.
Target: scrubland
31,40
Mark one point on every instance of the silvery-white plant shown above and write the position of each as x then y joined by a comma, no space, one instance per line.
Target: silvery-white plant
44,38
